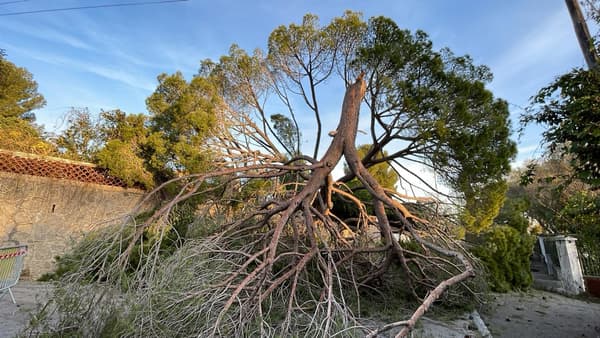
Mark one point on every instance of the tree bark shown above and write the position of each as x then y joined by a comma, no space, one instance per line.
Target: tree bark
583,34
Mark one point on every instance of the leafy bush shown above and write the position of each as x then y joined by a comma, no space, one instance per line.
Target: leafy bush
17,134
505,253
581,216
121,161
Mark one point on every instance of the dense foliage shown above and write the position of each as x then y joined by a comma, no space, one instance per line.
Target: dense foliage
581,216
570,109
18,100
559,202
433,108
505,248
146,150
505,252
182,114
18,92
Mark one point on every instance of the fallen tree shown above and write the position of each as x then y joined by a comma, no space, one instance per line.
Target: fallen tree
269,249
282,261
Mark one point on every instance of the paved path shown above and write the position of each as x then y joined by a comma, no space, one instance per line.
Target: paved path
542,314
521,315
13,318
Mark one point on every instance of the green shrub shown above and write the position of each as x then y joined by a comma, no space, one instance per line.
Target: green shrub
505,253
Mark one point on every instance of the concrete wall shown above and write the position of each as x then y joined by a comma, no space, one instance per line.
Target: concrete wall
571,273
48,214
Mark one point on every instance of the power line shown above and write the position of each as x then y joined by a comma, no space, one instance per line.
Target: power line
125,4
11,2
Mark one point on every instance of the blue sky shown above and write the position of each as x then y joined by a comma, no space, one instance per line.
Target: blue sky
109,58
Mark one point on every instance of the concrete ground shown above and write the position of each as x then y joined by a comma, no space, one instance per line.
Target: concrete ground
13,318
542,314
522,315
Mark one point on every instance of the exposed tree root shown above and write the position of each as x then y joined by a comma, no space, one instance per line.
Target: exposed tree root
294,248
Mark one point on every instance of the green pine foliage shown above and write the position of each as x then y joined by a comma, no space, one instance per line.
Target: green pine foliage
123,162
18,92
182,115
18,99
506,247
505,252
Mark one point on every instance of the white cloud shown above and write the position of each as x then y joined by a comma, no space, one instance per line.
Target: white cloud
120,74
546,44
48,34
528,149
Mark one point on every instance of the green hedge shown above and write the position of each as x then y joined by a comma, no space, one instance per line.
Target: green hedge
505,252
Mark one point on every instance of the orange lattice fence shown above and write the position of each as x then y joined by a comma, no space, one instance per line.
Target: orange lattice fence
26,164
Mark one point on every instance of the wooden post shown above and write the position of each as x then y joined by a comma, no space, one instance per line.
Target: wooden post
583,34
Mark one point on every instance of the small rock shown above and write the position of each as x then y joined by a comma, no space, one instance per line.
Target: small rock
518,308
507,319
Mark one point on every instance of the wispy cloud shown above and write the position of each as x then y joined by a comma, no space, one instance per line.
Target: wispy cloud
526,153
523,150
48,34
547,41
88,38
112,72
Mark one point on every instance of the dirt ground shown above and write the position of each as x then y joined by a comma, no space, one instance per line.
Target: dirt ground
522,315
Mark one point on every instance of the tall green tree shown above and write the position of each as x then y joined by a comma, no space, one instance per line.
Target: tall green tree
425,106
569,108
19,98
18,92
432,107
182,116
124,136
81,139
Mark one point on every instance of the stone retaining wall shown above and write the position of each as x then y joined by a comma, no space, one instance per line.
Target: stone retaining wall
49,214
